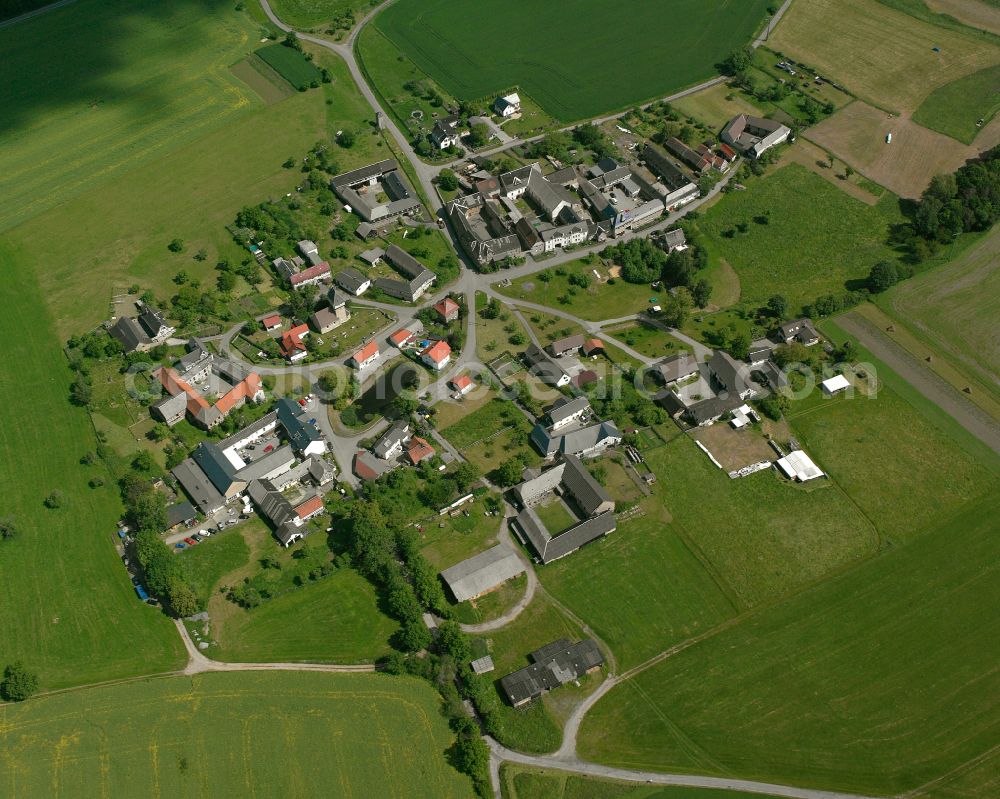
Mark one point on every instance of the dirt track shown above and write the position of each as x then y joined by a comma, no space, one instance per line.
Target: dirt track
950,400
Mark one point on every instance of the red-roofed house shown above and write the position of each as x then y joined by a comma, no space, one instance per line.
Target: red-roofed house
185,398
593,346
311,276
462,384
272,322
418,450
366,356
366,465
401,337
249,389
448,309
311,507
437,355
727,152
292,345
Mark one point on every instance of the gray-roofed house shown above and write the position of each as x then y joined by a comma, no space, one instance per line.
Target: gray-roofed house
326,319
181,513
130,334
482,573
218,468
677,367
541,365
198,487
754,136
417,277
362,190
801,330
352,281
553,665
390,444
570,345
732,375
550,548
372,256
566,411
585,441
305,437
445,132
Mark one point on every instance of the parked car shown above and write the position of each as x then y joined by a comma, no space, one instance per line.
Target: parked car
180,545
204,533
197,538
190,542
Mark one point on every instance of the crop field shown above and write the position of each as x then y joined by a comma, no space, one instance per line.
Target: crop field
955,108
816,238
147,77
954,309
877,681
845,40
290,64
246,734
121,229
646,49
857,132
856,439
69,610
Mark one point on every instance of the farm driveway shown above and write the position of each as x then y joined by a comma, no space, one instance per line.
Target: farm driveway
924,380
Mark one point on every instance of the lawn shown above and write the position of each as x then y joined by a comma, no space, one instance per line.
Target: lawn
334,619
446,42
290,64
493,335
649,340
555,515
452,539
205,564
522,782
496,415
98,88
121,229
955,108
716,105
876,681
69,611
600,300
804,238
845,40
247,734
954,309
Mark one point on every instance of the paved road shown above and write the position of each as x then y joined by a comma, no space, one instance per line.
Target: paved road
501,753
945,396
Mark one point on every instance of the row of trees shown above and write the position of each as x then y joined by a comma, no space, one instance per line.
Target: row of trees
968,200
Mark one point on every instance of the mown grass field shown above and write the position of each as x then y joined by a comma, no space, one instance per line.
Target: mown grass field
955,108
846,41
146,78
599,58
643,588
954,309
876,681
250,734
68,608
816,240
922,475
